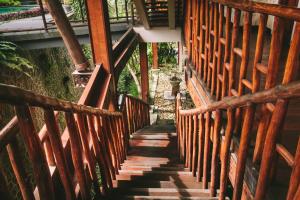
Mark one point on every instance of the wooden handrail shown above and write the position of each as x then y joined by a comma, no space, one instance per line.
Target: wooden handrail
16,96
287,12
93,137
291,90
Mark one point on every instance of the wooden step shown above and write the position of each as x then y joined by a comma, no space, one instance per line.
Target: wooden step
137,197
156,184
164,192
155,177
142,172
149,168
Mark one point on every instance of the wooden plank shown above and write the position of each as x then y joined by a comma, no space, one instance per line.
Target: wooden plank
141,9
171,14
61,162
155,63
144,71
36,153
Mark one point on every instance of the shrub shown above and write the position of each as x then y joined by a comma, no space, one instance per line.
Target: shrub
23,14
11,59
9,3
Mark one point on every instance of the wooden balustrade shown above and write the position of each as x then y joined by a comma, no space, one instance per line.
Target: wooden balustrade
97,140
136,112
209,140
218,37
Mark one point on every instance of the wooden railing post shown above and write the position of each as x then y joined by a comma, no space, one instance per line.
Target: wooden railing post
226,153
215,151
54,137
36,153
13,151
76,151
103,165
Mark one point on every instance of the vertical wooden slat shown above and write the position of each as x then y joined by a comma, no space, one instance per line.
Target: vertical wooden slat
49,152
295,175
272,74
207,34
215,151
235,31
226,153
215,50
4,192
277,117
103,165
243,151
89,156
13,151
194,157
200,146
227,51
36,153
201,40
220,52
105,146
206,149
76,151
190,142
54,137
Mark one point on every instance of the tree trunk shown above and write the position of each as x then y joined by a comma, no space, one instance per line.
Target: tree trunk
65,29
134,76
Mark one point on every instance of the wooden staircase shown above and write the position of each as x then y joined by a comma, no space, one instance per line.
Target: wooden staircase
153,170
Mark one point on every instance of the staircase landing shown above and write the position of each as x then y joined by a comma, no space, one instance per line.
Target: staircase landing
153,171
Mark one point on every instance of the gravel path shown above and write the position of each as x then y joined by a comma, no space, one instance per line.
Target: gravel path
165,108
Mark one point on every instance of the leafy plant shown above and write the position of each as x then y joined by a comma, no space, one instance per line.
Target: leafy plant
11,58
79,10
9,3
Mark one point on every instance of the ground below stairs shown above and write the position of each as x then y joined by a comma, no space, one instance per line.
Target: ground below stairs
152,169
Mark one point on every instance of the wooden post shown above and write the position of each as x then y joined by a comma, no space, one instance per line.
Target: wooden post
155,55
65,29
101,43
144,71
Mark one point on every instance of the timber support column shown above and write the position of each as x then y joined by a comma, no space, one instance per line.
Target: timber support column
66,31
99,28
155,55
144,71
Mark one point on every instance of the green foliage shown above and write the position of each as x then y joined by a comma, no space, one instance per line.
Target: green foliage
11,58
9,3
78,7
167,53
126,83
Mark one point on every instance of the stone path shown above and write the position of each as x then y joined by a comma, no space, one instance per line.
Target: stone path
165,108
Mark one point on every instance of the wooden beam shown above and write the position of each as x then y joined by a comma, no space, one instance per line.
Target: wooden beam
99,28
155,55
171,14
141,9
66,31
144,71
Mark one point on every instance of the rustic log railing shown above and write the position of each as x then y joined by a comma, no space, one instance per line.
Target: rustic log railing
212,36
94,139
222,59
201,138
137,112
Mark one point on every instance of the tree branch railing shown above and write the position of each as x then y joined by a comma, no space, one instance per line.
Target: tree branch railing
199,133
93,139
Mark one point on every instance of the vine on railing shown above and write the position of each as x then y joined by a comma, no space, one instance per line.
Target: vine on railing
93,140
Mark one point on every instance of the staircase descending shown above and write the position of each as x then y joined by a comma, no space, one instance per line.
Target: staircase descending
153,170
